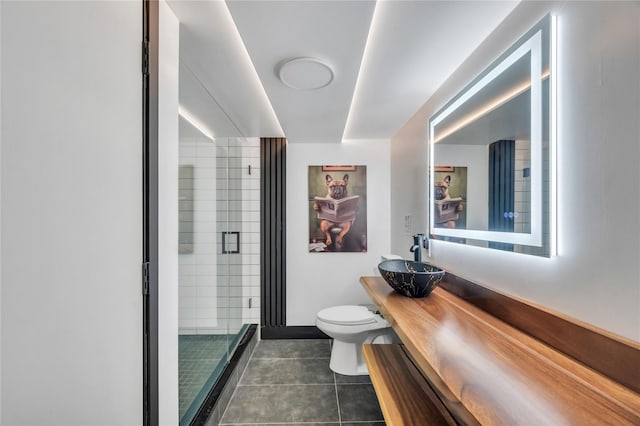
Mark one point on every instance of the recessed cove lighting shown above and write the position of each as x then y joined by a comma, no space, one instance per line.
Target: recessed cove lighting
182,112
305,73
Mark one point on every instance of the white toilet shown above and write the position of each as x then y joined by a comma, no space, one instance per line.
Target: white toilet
350,326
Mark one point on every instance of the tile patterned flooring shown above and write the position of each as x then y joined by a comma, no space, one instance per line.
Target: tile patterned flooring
198,357
288,382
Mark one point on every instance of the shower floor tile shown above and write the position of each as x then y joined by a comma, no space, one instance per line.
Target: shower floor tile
198,357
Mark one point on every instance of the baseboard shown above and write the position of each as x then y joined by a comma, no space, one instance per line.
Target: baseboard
292,332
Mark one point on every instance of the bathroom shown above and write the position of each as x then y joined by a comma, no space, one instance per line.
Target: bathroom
313,281
89,245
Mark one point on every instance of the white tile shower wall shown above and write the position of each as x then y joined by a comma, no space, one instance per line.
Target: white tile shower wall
198,308
215,288
238,203
522,196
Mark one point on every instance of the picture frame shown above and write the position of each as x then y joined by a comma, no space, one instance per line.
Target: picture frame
337,206
339,168
445,168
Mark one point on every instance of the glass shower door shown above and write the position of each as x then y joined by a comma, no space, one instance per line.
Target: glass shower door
203,339
218,258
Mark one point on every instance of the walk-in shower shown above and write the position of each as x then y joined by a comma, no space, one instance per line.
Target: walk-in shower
219,248
219,261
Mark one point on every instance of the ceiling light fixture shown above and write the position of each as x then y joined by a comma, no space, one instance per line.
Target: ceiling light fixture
305,73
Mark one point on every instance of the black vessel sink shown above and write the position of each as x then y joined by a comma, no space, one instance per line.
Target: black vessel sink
411,279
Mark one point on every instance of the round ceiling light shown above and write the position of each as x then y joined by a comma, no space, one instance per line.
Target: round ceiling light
305,73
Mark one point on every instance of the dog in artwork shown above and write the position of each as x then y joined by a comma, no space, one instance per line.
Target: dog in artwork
441,192
336,189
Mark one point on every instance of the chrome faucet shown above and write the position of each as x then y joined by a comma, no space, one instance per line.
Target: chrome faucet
418,242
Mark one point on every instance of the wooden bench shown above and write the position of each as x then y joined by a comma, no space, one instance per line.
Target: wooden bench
470,367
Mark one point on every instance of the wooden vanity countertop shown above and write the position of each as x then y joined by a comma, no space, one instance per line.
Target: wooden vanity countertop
499,374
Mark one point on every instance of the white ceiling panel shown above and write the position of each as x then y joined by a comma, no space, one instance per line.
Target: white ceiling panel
212,49
413,47
407,49
332,31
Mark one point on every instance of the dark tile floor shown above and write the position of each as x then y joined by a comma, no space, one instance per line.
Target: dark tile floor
289,382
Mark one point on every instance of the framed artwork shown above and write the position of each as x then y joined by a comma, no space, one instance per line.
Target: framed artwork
450,197
445,169
337,208
343,168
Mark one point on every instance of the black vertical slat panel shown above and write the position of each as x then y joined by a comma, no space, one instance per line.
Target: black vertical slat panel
272,267
273,239
274,250
283,230
278,239
500,204
492,180
508,186
505,178
274,234
263,230
511,179
271,282
501,184
265,235
266,144
501,188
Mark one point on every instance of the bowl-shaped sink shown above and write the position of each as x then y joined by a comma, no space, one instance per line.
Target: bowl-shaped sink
411,279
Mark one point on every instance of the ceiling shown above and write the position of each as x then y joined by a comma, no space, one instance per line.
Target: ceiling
387,59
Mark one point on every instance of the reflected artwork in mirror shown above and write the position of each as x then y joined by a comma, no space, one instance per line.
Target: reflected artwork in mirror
492,153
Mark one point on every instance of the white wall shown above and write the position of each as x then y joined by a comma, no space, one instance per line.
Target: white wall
596,275
319,280
71,213
168,65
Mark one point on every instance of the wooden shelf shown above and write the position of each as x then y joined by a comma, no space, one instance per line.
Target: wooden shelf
406,399
499,374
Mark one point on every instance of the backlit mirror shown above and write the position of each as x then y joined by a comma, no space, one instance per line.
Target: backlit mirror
492,156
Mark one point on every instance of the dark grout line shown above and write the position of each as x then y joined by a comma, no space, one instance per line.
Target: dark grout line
286,384
335,384
325,358
291,423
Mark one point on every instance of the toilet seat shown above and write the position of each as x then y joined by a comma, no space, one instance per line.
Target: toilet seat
347,315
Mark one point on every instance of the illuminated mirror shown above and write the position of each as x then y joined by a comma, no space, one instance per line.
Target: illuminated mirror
492,161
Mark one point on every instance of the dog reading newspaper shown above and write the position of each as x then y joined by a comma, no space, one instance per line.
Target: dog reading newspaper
447,210
337,211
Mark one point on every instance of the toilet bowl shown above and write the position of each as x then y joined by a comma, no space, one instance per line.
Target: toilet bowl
350,326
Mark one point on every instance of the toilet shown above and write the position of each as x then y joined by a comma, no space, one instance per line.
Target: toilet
350,326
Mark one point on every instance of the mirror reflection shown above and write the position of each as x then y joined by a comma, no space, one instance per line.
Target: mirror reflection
490,156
